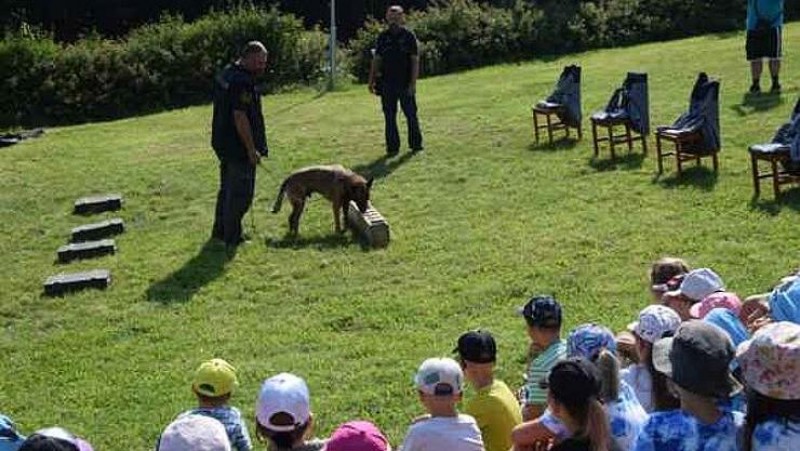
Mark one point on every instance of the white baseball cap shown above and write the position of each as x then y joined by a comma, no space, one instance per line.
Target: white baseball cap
194,432
655,321
439,376
284,393
698,284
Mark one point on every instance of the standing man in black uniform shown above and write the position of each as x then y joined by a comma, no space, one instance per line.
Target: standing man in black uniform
393,75
239,139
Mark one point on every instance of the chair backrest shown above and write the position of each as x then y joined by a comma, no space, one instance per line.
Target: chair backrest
568,93
636,101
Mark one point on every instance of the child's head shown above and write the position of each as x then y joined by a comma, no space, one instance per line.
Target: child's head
439,382
543,316
596,344
214,382
477,352
283,411
697,360
54,439
695,286
573,397
662,271
655,322
357,436
195,432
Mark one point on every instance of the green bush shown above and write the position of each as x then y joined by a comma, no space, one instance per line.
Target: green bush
164,65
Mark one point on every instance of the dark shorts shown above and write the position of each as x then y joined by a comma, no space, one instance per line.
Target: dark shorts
763,44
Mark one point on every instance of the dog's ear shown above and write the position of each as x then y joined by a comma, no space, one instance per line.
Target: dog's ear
369,183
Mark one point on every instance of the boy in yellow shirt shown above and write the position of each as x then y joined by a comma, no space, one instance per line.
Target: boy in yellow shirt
493,405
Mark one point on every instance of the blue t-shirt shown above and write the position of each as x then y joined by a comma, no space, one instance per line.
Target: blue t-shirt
769,10
626,417
677,430
776,435
231,418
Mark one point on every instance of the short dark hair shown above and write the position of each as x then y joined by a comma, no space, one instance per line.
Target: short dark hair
38,442
253,47
282,440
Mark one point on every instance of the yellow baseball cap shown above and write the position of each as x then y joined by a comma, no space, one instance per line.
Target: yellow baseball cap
215,377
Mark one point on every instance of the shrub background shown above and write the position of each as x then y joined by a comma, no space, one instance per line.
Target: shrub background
164,65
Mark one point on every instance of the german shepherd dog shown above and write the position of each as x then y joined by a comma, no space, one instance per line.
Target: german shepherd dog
336,183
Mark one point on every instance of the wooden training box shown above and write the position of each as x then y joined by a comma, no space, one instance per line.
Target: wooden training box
98,230
370,224
62,283
98,204
88,249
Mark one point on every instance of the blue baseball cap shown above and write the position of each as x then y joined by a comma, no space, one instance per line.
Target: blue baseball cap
587,340
542,311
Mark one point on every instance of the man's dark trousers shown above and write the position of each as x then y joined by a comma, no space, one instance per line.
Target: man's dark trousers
236,188
408,103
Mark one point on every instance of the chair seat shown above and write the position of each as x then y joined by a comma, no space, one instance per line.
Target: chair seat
677,133
548,106
770,149
606,118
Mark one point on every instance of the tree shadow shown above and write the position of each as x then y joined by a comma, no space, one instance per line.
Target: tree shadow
200,270
384,166
563,143
698,176
757,103
789,198
628,162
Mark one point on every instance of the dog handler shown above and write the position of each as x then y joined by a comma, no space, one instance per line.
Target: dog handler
239,139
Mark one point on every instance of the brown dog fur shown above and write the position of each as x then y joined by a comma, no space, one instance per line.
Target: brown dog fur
335,182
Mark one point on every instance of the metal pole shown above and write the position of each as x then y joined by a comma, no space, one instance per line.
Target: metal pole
331,81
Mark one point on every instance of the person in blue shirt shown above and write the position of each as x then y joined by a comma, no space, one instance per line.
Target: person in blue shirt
764,25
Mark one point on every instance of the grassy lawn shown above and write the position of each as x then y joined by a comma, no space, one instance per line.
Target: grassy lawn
481,220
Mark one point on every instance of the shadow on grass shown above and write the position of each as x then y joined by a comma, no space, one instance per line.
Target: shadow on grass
563,143
320,242
200,270
627,162
384,166
787,199
757,103
698,176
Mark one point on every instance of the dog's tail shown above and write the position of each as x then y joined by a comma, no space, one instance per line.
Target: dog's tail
281,193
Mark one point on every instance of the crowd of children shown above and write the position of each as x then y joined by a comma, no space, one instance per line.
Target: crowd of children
698,369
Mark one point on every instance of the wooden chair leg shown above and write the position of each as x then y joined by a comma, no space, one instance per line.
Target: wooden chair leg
715,161
776,186
628,137
658,154
535,127
594,139
644,144
756,184
549,128
580,131
679,157
610,129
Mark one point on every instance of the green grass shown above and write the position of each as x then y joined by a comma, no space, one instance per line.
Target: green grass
481,220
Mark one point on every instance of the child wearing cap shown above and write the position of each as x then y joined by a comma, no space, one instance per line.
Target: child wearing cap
283,415
650,386
358,436
697,362
574,399
213,384
493,405
543,317
439,385
194,432
10,438
695,286
770,364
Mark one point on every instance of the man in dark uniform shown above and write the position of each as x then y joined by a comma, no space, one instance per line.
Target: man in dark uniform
239,139
393,75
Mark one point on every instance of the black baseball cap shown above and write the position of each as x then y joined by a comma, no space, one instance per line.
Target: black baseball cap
573,381
697,358
477,346
542,311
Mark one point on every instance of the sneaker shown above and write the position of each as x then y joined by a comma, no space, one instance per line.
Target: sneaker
755,88
776,88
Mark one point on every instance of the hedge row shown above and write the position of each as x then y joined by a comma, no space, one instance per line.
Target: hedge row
165,65
461,34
